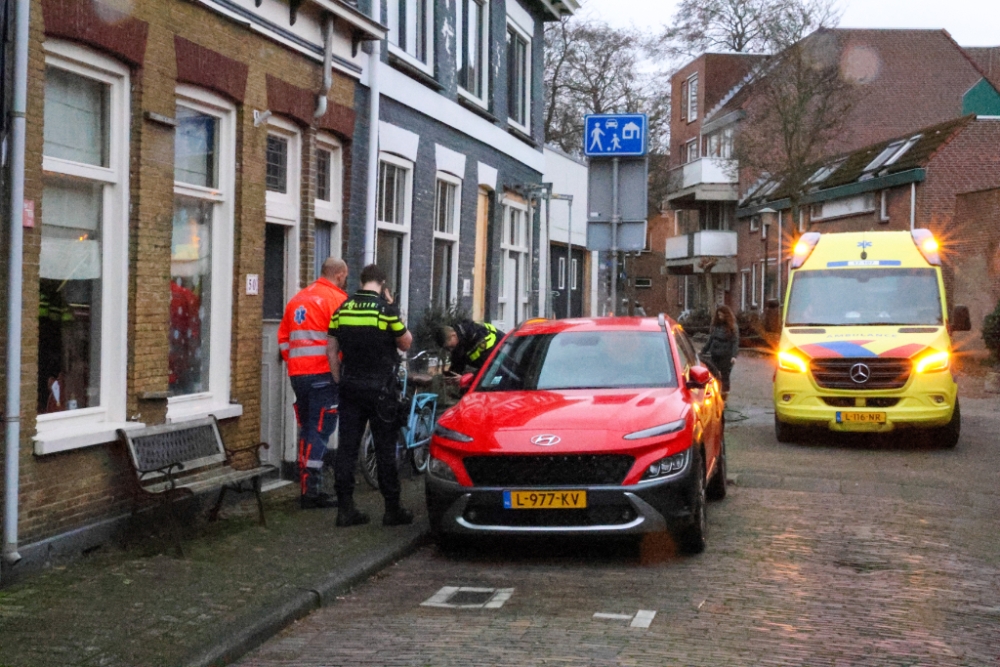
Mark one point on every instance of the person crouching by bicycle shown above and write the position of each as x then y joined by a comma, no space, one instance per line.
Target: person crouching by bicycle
302,342
367,330
469,344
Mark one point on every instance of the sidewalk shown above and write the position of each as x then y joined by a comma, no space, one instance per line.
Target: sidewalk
238,584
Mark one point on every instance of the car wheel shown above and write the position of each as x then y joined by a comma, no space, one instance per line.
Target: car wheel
786,433
691,538
947,435
716,489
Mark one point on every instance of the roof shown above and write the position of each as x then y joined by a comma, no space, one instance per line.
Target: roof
891,67
544,326
910,151
988,60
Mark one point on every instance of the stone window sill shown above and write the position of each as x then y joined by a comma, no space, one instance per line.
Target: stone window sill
64,439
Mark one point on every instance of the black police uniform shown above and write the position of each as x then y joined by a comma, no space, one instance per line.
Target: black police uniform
366,328
475,344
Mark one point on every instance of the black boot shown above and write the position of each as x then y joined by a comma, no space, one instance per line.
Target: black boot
349,515
397,516
317,502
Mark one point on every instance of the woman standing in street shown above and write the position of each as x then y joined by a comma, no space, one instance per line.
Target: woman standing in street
723,345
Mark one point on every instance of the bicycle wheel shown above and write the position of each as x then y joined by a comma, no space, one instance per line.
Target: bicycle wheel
423,427
369,464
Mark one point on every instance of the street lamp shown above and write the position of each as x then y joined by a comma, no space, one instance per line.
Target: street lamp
763,228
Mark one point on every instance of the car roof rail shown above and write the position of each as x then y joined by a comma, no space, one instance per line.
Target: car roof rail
661,319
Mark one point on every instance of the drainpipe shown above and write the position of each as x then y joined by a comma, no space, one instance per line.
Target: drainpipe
12,415
321,101
913,206
374,101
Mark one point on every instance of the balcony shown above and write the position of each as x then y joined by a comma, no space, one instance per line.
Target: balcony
692,253
706,179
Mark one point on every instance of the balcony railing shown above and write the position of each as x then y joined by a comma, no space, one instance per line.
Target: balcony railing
702,244
714,172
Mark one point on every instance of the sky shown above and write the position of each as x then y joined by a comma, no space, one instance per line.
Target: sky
970,22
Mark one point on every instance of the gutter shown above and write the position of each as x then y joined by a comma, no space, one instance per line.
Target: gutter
321,101
374,104
12,414
860,187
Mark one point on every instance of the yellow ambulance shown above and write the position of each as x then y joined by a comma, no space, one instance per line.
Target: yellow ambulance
865,341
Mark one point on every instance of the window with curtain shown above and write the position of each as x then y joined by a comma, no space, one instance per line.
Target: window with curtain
72,261
444,270
513,301
411,25
518,77
473,46
393,213
328,205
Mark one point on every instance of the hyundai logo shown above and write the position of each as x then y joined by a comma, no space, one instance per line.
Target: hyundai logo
860,373
545,440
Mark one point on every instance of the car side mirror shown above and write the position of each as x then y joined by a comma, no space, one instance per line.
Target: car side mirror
698,377
772,316
465,382
960,319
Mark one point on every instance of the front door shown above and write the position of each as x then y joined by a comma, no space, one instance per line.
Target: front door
566,276
277,427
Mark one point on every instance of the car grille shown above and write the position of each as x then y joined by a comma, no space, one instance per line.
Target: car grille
884,373
851,402
605,515
558,470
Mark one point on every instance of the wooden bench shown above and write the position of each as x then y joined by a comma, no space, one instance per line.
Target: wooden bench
174,461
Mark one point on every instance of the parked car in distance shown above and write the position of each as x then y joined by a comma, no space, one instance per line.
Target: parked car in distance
603,426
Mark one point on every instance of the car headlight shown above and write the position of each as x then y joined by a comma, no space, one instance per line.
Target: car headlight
441,470
667,466
791,361
663,429
935,361
449,434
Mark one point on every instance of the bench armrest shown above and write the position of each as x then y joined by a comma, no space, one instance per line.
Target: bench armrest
253,449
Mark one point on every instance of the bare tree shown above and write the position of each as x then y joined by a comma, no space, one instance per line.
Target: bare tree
800,105
744,26
591,67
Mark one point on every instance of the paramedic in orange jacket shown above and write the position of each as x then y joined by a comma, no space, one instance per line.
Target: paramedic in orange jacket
302,341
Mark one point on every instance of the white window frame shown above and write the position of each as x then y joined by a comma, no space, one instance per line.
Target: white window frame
215,401
743,289
285,208
688,146
562,273
411,33
452,238
524,127
515,311
753,284
403,298
332,212
692,100
72,429
460,38
573,265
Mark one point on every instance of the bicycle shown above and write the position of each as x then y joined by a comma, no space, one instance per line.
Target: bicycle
413,441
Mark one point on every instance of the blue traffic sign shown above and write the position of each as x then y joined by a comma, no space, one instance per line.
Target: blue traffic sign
615,135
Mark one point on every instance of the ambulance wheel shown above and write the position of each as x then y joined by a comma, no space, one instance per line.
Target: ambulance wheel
947,435
786,433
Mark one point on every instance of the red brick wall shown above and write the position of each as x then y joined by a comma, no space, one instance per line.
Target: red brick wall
64,491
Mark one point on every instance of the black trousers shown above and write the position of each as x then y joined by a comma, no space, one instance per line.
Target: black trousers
357,408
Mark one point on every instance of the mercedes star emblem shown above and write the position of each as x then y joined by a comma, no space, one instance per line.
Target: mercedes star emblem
860,373
545,440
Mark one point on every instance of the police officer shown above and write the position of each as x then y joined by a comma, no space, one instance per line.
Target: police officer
368,332
469,343
302,342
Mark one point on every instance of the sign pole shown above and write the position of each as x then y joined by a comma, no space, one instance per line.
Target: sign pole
615,219
570,272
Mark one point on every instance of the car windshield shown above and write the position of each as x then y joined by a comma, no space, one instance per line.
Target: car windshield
582,360
864,297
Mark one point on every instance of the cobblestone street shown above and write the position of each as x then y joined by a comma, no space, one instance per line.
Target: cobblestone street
837,553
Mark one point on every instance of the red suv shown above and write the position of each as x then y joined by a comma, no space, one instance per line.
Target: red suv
589,426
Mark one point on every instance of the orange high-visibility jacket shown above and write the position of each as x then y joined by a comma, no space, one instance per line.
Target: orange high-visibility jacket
303,331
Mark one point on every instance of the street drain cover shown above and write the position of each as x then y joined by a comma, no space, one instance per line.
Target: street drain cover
470,597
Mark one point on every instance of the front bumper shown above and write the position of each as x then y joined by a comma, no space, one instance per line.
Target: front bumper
927,401
650,507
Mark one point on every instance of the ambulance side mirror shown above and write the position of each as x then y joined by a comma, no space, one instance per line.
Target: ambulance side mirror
465,382
698,377
772,316
960,319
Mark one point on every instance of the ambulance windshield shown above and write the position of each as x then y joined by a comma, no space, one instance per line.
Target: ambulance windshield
859,297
